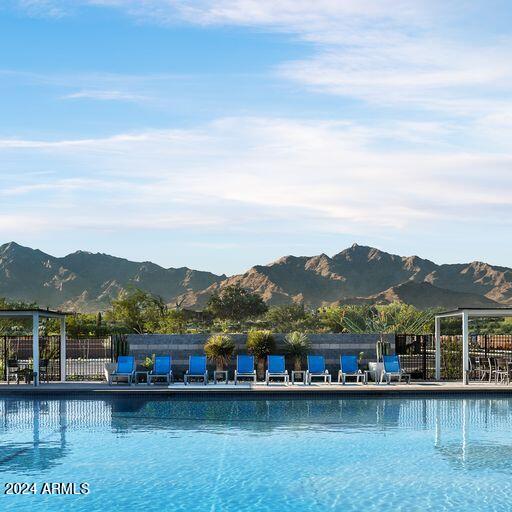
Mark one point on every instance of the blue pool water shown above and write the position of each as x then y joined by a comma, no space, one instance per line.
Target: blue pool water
263,455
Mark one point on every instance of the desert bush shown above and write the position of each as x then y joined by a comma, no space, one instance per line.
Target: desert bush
260,344
297,345
219,348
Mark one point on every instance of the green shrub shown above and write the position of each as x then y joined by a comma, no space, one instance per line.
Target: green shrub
260,344
219,348
297,345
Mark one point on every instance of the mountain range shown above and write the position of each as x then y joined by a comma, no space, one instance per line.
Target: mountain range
83,281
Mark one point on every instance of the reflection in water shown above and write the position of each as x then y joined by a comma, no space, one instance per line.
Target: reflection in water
34,432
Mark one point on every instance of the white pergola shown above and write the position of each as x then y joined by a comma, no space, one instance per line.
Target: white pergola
465,314
36,315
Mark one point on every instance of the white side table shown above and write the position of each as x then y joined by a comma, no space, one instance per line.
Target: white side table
301,374
375,370
218,373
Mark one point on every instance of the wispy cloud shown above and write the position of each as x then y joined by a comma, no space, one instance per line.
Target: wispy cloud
106,96
407,53
41,8
235,170
423,141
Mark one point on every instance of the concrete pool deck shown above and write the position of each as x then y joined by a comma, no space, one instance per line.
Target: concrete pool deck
258,389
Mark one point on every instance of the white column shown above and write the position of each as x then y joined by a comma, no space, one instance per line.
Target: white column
437,338
465,347
63,349
35,347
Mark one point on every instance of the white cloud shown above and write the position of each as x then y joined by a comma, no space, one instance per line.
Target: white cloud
408,53
243,173
45,8
103,95
439,155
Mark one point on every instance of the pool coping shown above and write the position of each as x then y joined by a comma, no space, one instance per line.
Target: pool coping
260,390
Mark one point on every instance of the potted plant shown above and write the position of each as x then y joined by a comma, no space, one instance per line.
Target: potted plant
219,348
297,345
260,344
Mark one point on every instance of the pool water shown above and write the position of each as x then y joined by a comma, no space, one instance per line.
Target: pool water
263,455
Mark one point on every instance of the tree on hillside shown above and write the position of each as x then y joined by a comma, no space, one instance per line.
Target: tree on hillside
174,321
139,311
290,317
12,326
395,318
235,303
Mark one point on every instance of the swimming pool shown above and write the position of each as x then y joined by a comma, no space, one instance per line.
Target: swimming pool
265,455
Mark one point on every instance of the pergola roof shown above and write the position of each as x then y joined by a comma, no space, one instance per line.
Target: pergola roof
494,311
44,313
36,314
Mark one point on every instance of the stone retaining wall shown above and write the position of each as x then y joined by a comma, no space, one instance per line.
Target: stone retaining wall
181,346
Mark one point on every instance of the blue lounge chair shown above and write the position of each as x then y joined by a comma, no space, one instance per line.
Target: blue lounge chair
196,369
245,368
392,368
316,368
276,369
162,369
349,367
125,369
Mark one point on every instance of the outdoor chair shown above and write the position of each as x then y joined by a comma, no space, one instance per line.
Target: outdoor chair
316,368
44,373
484,368
13,370
245,368
392,369
162,369
125,369
501,371
276,369
349,367
196,369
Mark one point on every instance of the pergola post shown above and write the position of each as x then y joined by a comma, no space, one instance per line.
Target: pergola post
437,340
465,348
63,349
35,346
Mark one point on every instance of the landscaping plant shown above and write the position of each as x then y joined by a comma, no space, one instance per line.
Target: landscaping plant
260,344
219,348
297,345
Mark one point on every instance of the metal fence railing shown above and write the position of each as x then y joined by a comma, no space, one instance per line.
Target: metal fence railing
417,353
85,357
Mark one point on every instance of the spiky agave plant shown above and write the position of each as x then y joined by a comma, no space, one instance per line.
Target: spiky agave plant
219,348
297,344
260,344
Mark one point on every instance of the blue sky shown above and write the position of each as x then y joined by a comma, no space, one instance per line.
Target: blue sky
222,134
